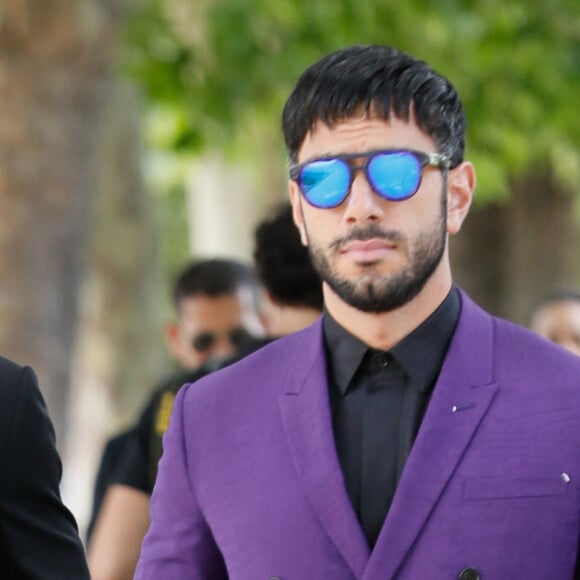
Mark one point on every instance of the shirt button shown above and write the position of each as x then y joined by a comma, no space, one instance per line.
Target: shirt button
469,574
381,360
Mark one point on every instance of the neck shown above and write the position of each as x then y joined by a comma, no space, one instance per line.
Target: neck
384,330
284,320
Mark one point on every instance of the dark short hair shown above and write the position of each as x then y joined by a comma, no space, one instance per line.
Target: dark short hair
556,295
214,277
283,264
379,81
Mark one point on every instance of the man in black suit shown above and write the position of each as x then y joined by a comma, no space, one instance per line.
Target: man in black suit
38,534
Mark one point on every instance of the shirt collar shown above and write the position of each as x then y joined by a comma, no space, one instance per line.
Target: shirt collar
344,352
420,353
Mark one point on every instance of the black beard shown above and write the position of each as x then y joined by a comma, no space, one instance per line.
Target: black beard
376,293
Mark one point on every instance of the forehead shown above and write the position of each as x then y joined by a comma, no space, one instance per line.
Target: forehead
206,311
363,133
564,314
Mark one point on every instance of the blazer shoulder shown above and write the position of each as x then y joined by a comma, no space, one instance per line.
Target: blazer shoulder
518,349
514,338
513,354
19,392
511,341
262,372
14,379
10,371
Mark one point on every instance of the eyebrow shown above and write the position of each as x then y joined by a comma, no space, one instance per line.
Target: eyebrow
335,154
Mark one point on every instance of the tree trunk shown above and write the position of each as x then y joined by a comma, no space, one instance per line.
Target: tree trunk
54,78
119,350
476,255
544,239
509,255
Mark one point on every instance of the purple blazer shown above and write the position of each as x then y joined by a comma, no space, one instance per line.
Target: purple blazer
250,487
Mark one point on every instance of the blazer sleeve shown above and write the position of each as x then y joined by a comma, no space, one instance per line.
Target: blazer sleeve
38,534
179,543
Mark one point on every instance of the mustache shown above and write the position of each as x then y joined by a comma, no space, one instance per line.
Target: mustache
371,232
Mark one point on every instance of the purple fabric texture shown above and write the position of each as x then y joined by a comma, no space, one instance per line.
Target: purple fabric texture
250,486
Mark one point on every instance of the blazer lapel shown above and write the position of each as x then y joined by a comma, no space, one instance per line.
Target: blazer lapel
307,421
460,400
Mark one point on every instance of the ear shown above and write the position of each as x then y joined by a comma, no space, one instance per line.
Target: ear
268,297
173,338
460,188
297,214
263,311
269,307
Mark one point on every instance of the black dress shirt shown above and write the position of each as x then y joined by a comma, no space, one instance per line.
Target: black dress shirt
378,399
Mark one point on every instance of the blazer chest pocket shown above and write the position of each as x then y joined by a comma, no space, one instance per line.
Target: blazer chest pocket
491,488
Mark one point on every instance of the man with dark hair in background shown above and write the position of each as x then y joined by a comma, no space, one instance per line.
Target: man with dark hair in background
217,305
292,286
408,434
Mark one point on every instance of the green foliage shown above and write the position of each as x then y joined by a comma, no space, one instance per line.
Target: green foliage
166,178
223,66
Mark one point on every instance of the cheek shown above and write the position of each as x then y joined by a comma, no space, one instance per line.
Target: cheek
297,211
321,227
415,217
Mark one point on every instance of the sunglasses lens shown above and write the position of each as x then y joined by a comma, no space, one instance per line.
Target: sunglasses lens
325,183
203,341
239,337
395,176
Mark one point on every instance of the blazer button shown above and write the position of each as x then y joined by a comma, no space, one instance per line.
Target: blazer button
469,574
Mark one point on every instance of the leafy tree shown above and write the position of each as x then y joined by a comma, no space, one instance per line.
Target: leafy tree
223,65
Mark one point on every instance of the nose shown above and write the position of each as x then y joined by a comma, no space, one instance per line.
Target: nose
363,205
223,347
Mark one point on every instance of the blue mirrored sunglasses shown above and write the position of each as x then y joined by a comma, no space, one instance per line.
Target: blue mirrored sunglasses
393,174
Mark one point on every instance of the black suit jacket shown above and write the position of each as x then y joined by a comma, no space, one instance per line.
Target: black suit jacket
38,534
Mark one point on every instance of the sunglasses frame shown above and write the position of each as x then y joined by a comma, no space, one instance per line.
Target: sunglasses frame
424,159
237,336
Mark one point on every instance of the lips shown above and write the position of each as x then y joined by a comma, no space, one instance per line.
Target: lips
367,245
368,250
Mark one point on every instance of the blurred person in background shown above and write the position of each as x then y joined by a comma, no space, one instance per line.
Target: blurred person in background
292,286
557,317
217,305
38,534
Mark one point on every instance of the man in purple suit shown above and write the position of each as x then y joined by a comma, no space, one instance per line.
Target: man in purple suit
407,434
